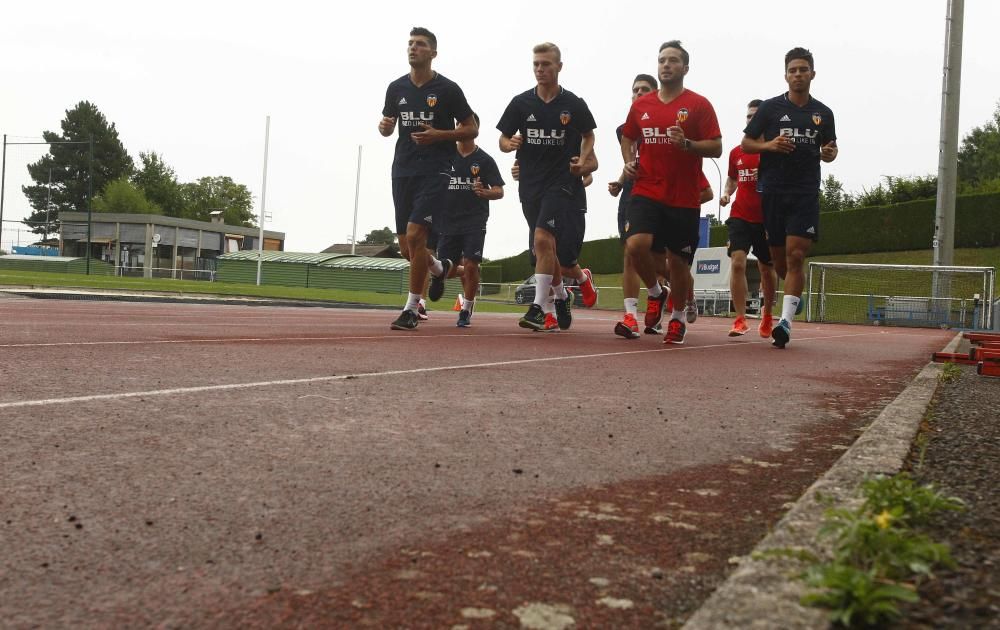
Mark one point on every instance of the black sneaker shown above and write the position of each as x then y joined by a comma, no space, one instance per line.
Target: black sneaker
464,319
533,319
563,312
407,320
436,290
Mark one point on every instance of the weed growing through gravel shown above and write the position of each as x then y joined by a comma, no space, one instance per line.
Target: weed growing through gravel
950,372
877,555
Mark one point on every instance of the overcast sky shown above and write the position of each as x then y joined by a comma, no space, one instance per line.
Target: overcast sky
194,81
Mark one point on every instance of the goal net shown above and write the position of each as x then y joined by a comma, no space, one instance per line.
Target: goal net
900,295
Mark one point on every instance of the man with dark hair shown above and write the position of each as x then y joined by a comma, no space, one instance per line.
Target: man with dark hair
746,231
552,131
475,181
793,132
676,129
427,106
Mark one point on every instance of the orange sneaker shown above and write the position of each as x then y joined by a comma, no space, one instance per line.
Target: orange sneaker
739,327
587,290
766,326
628,327
551,324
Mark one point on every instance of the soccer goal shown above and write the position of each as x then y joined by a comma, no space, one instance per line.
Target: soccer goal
900,295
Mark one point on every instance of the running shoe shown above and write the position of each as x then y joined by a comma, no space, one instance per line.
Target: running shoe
654,310
691,312
675,332
628,327
464,319
781,334
436,290
407,320
563,312
533,319
551,324
422,313
801,305
587,289
766,325
653,330
739,328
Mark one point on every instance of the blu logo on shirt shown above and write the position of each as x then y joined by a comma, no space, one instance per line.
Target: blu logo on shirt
542,136
412,119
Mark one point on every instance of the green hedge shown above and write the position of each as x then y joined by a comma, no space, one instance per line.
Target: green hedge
904,226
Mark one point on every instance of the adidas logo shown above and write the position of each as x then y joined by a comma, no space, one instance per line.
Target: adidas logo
811,230
645,116
479,253
531,118
686,250
739,162
785,118
402,101
551,223
429,219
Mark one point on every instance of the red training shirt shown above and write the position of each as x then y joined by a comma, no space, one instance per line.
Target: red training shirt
668,174
743,169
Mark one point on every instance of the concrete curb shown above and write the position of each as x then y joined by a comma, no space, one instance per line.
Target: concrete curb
765,593
179,298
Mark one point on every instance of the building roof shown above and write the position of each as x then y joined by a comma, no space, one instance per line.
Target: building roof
40,258
337,261
159,219
376,251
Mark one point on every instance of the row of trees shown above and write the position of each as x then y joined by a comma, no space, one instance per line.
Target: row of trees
978,172
118,186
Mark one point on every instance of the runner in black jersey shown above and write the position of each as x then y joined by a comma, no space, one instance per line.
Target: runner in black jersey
793,132
552,131
475,181
426,106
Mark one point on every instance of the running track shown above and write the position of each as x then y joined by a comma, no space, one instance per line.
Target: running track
203,465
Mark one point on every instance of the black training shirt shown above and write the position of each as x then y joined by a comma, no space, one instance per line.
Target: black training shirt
551,135
464,211
810,127
438,103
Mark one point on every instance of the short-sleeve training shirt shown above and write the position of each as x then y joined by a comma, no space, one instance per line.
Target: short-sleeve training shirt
810,127
667,173
437,103
552,133
743,170
464,211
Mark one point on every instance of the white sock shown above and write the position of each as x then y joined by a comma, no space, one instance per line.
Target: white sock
656,291
788,305
422,302
559,291
412,302
583,279
435,267
549,306
632,306
468,305
543,282
678,315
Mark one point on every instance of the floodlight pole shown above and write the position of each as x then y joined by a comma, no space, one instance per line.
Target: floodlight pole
944,219
718,195
48,206
263,199
3,185
357,188
90,197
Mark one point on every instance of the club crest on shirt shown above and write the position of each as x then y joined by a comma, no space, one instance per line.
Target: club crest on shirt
432,100
564,117
817,119
474,169
682,114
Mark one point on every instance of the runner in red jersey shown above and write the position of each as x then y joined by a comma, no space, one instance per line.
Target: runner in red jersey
676,128
746,230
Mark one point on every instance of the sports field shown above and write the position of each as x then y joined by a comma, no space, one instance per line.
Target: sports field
199,465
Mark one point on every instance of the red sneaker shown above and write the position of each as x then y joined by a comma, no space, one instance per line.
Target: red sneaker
766,326
739,328
675,332
587,289
551,324
654,310
628,327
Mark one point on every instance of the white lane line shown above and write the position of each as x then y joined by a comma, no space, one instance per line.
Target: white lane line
443,368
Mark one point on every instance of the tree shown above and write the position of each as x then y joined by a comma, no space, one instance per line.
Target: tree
158,182
124,197
70,164
385,236
833,198
979,155
209,194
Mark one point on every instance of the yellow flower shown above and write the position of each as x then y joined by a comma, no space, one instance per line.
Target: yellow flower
883,519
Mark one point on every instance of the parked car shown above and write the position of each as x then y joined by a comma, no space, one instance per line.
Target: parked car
525,292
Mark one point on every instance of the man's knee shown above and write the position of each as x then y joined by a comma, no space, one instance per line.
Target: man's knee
738,261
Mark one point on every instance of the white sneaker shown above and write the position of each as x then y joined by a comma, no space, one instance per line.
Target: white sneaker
691,312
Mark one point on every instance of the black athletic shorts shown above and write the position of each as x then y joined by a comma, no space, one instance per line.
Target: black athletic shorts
455,247
562,213
745,236
672,228
418,199
790,214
